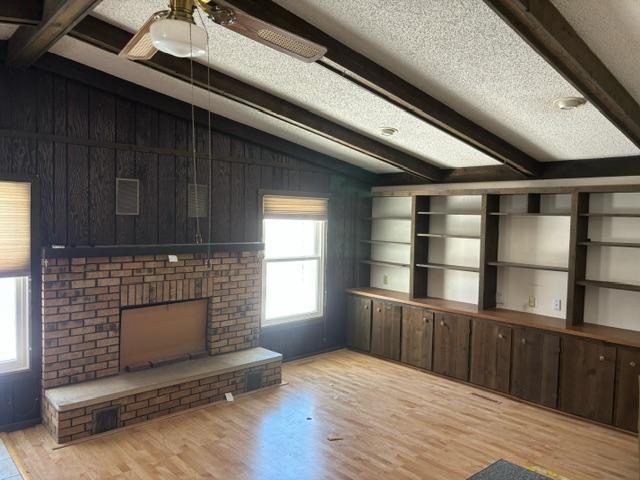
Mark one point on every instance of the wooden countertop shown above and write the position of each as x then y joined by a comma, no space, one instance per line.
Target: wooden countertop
619,336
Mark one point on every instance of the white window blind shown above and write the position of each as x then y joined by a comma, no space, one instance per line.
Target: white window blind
15,229
280,206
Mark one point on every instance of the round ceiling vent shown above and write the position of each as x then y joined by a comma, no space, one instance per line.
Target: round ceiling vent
388,131
569,103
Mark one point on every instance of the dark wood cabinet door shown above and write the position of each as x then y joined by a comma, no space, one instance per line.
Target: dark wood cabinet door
490,355
587,379
626,407
417,337
359,323
451,345
534,366
385,329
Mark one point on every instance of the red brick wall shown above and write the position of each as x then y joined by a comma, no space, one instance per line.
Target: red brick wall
81,300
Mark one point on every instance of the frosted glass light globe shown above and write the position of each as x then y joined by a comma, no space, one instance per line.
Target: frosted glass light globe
172,36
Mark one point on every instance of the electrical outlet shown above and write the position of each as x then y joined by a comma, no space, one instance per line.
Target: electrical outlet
557,305
532,301
385,279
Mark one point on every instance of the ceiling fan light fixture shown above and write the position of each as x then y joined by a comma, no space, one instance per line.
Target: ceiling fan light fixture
172,36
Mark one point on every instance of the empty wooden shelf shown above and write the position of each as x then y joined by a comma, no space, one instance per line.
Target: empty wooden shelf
528,266
621,215
611,244
528,214
385,264
447,235
449,213
443,266
612,285
385,242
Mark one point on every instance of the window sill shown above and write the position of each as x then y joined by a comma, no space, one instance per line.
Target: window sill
293,323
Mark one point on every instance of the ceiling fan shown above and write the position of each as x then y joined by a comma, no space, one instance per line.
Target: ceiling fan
175,32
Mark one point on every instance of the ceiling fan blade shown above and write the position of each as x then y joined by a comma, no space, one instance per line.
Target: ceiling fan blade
251,27
140,47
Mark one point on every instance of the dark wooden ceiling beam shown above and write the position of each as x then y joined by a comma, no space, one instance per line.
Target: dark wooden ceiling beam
29,43
21,12
111,38
542,26
372,76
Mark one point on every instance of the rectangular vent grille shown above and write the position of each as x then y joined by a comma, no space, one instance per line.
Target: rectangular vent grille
253,381
127,196
198,200
106,419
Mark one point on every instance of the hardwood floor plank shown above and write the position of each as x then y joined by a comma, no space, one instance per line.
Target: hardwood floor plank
395,423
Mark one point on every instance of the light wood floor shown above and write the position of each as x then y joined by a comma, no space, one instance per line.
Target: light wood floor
395,423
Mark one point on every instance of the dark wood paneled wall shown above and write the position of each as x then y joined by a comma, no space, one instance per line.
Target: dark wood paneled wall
78,136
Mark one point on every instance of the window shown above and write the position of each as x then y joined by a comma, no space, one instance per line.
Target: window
294,233
15,266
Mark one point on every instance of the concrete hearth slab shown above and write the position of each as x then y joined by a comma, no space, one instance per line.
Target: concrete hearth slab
80,395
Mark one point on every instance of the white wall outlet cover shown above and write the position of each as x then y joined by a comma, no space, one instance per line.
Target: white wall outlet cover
173,258
229,396
532,301
557,304
385,279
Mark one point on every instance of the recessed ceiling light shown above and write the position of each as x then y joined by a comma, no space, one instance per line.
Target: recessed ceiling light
388,131
569,103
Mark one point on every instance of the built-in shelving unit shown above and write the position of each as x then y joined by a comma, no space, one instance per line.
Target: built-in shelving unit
607,258
548,243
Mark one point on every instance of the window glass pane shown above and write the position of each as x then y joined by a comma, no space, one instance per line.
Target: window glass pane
290,238
292,288
8,319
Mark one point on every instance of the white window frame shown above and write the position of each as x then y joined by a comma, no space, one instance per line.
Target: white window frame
321,233
23,322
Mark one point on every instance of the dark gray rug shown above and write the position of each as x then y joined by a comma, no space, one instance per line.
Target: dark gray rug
503,470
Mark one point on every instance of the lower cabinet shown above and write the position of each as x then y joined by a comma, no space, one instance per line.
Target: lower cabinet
490,355
451,345
385,329
627,372
417,337
359,322
535,361
587,379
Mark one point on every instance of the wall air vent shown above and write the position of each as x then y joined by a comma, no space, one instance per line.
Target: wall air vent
198,200
253,381
106,419
127,196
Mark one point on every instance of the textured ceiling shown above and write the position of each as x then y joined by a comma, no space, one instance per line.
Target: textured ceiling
612,31
7,30
312,87
466,56
99,59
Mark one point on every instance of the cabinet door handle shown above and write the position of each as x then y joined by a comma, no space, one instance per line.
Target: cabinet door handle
426,320
524,341
632,364
500,335
379,309
366,307
442,323
601,358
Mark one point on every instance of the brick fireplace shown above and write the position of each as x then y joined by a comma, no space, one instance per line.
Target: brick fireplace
82,301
